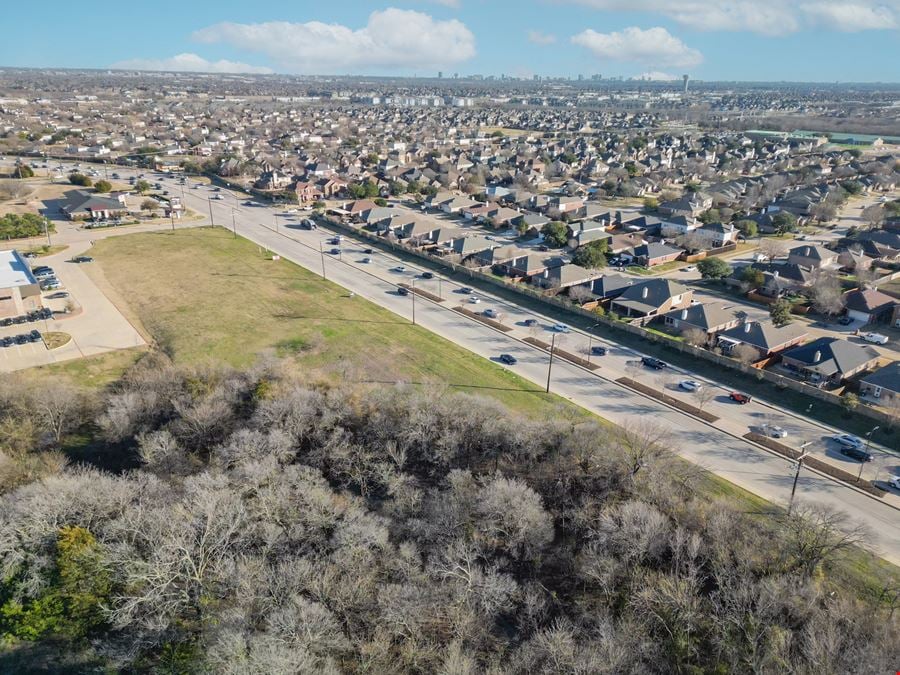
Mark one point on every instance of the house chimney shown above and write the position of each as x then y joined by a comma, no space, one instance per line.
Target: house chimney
645,292
817,357
747,327
684,314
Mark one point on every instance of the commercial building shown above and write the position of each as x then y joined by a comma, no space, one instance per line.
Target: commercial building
20,292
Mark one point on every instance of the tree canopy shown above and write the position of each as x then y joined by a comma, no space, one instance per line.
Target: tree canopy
714,268
555,233
592,255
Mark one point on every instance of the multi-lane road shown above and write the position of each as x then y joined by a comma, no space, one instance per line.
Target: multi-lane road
717,447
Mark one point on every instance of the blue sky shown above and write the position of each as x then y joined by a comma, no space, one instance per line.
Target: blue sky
800,40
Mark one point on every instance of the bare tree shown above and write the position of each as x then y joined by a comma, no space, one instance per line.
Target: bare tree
772,248
873,215
703,396
745,353
827,295
580,294
814,534
695,337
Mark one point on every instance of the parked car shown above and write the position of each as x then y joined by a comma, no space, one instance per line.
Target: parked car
508,359
58,296
738,397
597,350
6,342
21,339
690,385
855,453
82,259
561,328
875,338
530,323
651,362
35,336
777,432
849,441
44,273
491,313
428,275
402,290
845,321
50,284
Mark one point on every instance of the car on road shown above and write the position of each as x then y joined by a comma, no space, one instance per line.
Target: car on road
508,359
368,251
855,453
777,432
739,397
58,296
875,338
308,224
474,299
402,291
849,440
465,290
400,268
249,203
428,275
651,362
690,385
366,260
491,313
217,197
335,251
894,482
561,328
334,240
597,350
530,323
82,259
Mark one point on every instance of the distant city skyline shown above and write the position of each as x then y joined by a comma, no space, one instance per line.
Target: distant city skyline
724,40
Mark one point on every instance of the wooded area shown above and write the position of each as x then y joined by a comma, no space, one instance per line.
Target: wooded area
257,524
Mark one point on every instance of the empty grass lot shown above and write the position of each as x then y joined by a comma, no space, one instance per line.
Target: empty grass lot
204,296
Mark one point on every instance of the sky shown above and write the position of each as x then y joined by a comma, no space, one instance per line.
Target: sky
747,40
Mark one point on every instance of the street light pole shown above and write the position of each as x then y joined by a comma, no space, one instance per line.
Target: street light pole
868,440
322,254
276,223
413,294
797,476
550,365
233,226
211,221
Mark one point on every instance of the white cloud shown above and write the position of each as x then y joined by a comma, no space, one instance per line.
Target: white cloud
654,47
851,17
392,39
539,38
768,17
189,63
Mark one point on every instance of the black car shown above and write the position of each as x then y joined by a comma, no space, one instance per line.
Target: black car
465,289
530,323
656,364
21,339
335,251
46,312
855,453
20,319
35,336
7,321
402,291
82,259
598,351
508,359
6,342
427,275
845,321
368,251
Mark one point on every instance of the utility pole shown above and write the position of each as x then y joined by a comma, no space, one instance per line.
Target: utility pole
322,253
550,365
211,221
233,226
797,476
276,223
172,215
47,231
413,294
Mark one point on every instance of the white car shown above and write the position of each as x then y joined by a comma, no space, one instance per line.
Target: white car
217,197
849,441
561,328
875,338
491,313
689,268
474,299
777,432
400,268
894,482
690,385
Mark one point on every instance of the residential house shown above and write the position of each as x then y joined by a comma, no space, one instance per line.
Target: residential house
564,276
763,336
716,235
656,253
710,318
868,305
854,259
652,297
812,256
466,246
457,204
829,360
610,286
691,204
273,179
307,193
883,384
532,264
